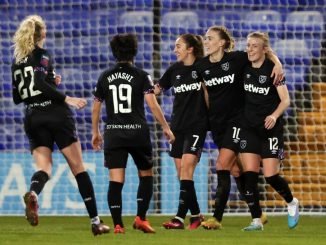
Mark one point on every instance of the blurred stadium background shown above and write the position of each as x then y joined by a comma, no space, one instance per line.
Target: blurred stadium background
77,36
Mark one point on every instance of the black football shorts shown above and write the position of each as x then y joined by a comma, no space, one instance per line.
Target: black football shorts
118,157
188,143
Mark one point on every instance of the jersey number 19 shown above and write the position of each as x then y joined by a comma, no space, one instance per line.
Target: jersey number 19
121,96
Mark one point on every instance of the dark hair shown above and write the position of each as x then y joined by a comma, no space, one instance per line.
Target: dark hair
196,42
124,47
225,35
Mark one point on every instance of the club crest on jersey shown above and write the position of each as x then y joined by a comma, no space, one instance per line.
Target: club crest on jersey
194,74
248,76
243,144
178,77
207,72
225,66
262,79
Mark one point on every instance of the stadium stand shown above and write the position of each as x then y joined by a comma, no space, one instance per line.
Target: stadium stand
269,21
307,25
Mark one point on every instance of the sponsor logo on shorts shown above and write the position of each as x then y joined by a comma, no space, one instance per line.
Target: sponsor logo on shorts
243,144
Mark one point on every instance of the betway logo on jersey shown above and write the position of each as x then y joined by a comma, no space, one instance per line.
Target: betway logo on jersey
258,90
216,81
187,87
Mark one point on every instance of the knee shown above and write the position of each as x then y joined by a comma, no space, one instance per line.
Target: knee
272,179
235,171
77,168
144,173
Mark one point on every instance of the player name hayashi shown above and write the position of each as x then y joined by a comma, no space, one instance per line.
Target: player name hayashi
120,75
216,81
187,87
252,88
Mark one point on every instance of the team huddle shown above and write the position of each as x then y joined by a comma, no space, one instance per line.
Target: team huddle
238,96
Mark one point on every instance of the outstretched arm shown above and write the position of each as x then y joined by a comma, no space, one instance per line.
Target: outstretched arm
97,139
158,114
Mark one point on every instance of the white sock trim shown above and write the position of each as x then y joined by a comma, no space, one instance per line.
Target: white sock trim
180,219
95,220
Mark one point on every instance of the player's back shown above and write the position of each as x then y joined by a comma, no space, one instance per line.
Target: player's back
123,89
24,79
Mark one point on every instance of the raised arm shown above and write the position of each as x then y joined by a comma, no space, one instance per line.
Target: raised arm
277,72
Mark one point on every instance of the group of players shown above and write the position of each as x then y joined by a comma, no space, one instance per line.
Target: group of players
238,96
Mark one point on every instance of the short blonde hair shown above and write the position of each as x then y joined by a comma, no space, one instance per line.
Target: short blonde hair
261,35
28,34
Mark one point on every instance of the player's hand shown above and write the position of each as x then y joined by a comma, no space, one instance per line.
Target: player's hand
78,103
270,122
97,141
157,89
169,135
278,74
57,80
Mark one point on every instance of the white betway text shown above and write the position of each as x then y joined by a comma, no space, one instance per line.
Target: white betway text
187,87
216,81
253,89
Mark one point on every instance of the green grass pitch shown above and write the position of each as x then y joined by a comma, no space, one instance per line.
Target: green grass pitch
76,230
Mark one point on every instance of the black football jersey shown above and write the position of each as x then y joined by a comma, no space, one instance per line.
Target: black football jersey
189,108
33,81
123,88
224,80
261,97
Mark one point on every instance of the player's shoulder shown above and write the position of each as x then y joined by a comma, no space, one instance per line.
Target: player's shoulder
202,63
234,55
106,73
268,63
41,52
139,71
266,67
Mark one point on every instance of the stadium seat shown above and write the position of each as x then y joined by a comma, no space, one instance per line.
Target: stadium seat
167,54
207,4
135,4
296,78
308,25
136,18
184,19
293,51
296,59
280,5
269,21
179,22
141,23
240,44
230,19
